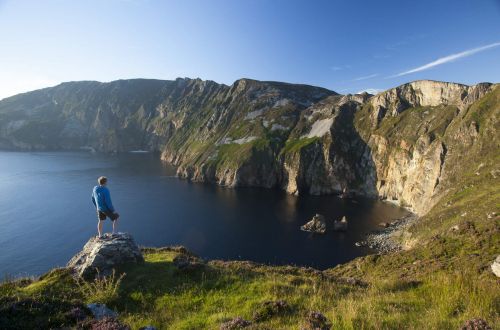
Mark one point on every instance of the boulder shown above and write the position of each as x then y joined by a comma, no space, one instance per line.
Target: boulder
102,255
101,311
340,225
316,225
495,266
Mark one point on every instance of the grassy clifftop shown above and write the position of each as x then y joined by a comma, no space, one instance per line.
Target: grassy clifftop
158,293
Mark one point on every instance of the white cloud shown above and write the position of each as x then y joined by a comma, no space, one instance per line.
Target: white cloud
446,59
366,77
373,91
340,67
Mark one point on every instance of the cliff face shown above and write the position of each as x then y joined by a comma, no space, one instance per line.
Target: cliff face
398,145
417,133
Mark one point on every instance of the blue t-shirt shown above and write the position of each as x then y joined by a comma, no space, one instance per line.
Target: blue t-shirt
102,199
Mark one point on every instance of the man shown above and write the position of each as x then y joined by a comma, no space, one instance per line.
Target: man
102,201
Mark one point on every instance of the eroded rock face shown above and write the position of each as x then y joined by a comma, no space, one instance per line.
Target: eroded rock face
102,255
424,93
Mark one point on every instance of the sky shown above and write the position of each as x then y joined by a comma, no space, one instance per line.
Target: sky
345,46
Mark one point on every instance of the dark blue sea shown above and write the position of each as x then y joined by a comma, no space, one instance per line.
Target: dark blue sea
46,213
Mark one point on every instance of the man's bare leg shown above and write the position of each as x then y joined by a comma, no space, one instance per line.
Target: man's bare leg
115,225
99,228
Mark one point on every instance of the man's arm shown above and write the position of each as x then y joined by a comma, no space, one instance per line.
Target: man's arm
93,200
107,200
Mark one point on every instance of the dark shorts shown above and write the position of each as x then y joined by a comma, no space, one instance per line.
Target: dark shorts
111,215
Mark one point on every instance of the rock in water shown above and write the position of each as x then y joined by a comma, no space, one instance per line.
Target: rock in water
316,225
495,266
340,225
104,254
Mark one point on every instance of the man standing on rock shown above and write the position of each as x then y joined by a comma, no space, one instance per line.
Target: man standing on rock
101,198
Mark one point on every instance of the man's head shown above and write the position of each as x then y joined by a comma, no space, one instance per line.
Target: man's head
102,180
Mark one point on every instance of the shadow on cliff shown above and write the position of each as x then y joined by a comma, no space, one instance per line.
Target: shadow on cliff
351,156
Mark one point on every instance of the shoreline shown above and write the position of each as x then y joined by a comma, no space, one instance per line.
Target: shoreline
391,238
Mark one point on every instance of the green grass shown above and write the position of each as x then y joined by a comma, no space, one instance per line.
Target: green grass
157,293
295,145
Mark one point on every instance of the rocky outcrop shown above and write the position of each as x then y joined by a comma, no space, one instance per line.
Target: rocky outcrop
424,93
316,225
102,255
101,311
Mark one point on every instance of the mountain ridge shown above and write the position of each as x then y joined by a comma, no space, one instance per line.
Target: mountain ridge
300,138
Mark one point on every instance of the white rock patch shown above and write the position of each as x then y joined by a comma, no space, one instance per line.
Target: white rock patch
281,103
228,140
320,128
254,114
245,139
276,127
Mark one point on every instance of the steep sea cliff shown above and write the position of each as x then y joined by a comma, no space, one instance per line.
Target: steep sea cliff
401,145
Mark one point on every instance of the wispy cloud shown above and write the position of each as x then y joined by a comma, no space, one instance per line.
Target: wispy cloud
340,67
366,77
446,59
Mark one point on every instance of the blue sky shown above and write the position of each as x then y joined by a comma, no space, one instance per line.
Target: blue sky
346,46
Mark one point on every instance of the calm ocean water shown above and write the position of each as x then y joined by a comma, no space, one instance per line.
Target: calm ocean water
46,214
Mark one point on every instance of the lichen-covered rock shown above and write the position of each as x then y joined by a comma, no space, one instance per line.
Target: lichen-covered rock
102,255
316,225
495,266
